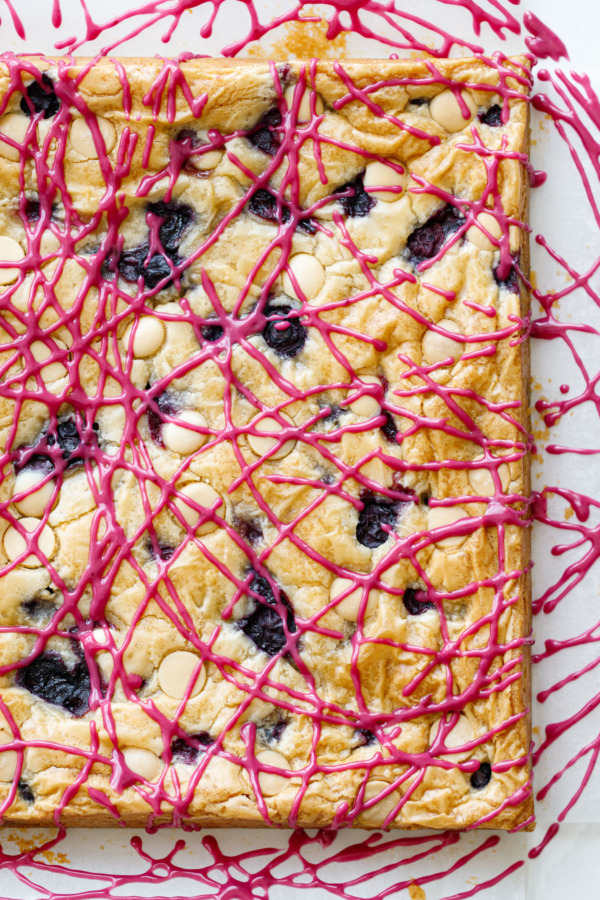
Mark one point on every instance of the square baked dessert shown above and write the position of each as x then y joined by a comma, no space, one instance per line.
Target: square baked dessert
264,441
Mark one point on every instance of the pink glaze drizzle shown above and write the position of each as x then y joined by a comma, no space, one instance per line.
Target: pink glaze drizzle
575,110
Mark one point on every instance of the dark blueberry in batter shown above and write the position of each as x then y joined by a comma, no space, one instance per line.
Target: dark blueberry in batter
25,792
264,626
50,679
272,733
187,749
375,513
389,429
177,219
134,263
482,776
419,101
492,116
163,405
365,738
40,608
511,282
285,334
32,210
416,601
358,203
265,137
249,530
426,241
41,98
263,204
165,552
212,333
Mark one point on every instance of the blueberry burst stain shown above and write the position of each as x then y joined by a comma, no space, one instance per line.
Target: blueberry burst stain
41,98
268,206
284,333
264,626
416,601
357,203
161,406
375,513
64,445
266,136
51,679
155,267
187,749
426,241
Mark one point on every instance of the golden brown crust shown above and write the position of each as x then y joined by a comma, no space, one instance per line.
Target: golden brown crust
374,315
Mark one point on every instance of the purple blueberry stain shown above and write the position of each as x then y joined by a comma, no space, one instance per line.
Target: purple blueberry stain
389,429
358,202
427,240
376,512
511,281
212,333
52,680
416,601
284,333
188,749
266,136
482,777
40,97
264,625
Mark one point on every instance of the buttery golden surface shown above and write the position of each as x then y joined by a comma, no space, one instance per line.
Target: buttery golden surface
353,694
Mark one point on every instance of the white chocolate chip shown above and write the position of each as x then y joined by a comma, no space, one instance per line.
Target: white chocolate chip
378,813
15,127
379,175
309,275
442,517
10,251
15,545
366,405
142,762
54,370
476,236
304,110
438,347
205,162
202,495
38,498
177,670
262,443
184,440
482,480
8,758
270,783
349,607
81,137
462,733
447,112
148,337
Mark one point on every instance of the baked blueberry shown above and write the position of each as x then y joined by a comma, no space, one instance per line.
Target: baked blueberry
41,98
51,679
25,792
137,262
492,116
511,281
40,608
68,440
482,776
266,136
284,332
161,406
248,529
177,218
357,202
390,432
375,513
264,626
187,749
271,731
364,737
212,333
416,601
426,241
265,205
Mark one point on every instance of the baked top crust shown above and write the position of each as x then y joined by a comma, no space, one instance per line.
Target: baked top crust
263,425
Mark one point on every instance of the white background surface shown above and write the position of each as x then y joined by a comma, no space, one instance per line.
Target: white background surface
570,866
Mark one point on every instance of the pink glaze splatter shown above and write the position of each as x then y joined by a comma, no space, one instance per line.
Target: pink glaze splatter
575,111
